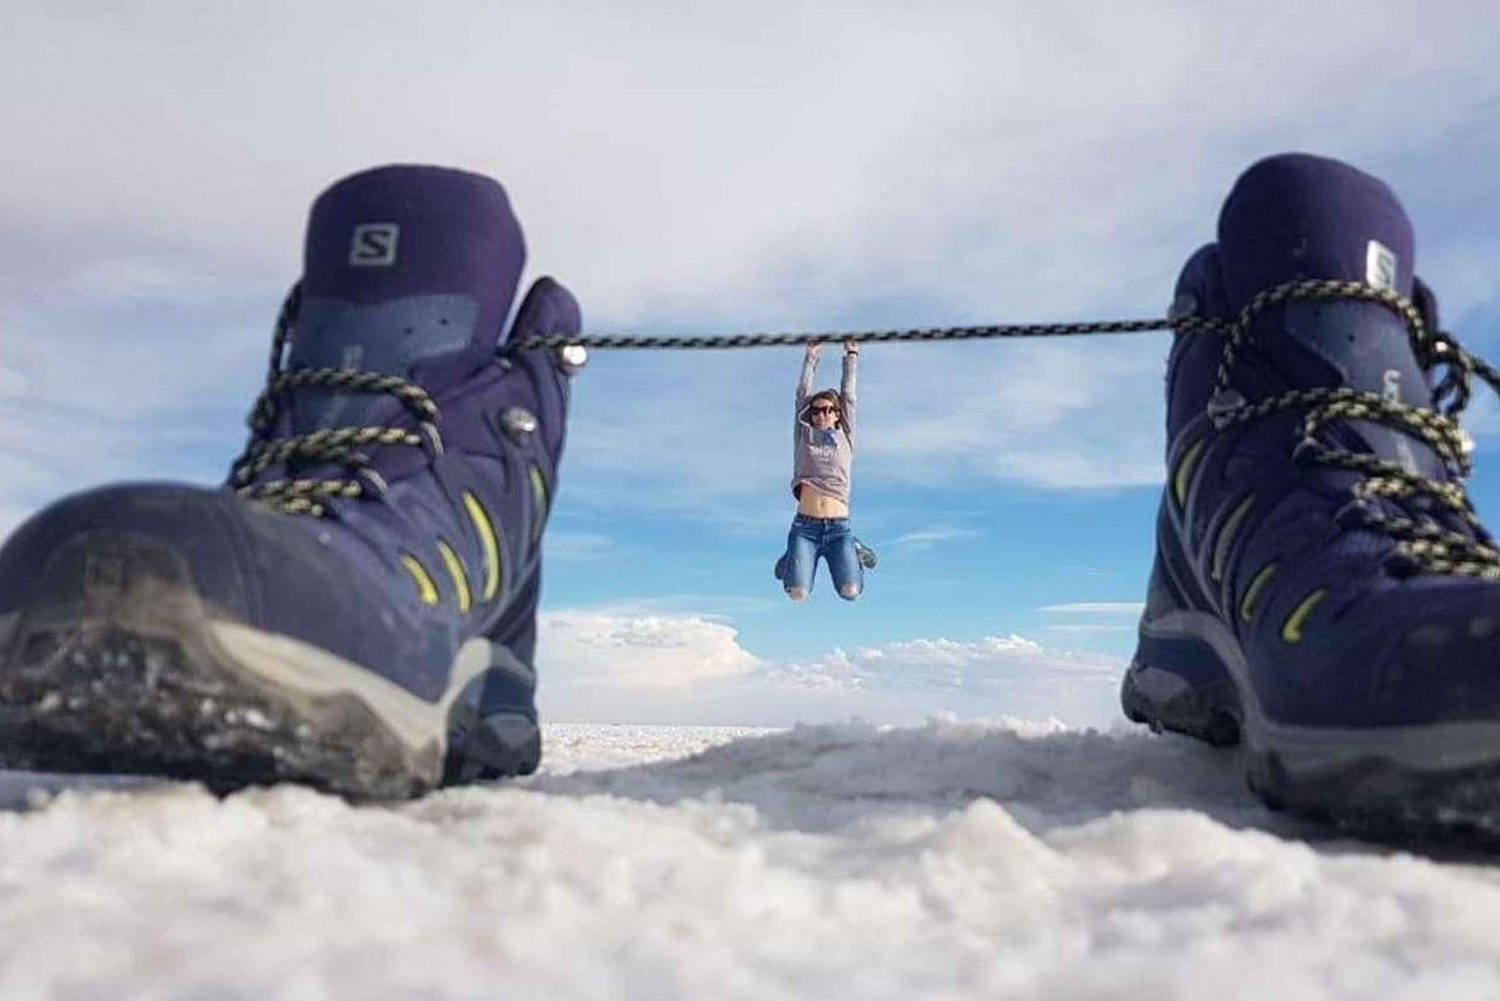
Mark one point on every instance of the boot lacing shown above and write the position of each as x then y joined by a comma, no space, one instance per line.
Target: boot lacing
306,495
1423,545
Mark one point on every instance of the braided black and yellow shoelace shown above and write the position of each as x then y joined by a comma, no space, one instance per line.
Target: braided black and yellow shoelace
341,446
1423,545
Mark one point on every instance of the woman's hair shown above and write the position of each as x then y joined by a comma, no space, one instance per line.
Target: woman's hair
832,396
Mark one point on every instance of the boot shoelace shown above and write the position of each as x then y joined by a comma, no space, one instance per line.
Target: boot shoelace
1423,545
307,495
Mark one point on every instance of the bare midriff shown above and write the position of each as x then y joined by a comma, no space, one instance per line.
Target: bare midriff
816,504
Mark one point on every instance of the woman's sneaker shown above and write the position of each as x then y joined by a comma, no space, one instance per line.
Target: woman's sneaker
1322,591
355,609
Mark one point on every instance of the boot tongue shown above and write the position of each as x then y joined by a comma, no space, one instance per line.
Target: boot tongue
1296,216
408,271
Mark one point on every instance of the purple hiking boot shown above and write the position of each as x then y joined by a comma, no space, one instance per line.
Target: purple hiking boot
1323,592
355,609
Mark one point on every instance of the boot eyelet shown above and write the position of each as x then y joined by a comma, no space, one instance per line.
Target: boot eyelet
518,423
572,358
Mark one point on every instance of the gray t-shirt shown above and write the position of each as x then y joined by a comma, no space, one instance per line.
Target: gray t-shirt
823,458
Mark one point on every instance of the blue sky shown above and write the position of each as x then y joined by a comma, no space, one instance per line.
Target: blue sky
734,167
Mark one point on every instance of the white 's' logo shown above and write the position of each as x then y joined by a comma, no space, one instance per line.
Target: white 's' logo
374,245
1380,266
1390,385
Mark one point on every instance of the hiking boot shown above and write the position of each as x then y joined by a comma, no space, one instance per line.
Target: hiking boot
1322,590
355,609
865,555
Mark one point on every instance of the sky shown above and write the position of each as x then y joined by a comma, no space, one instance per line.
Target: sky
725,168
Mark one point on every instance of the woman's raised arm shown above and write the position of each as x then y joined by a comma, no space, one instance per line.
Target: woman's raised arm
809,370
847,387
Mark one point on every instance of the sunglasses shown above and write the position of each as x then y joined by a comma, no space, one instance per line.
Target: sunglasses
823,410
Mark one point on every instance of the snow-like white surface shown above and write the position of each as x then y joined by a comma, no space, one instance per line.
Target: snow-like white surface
945,861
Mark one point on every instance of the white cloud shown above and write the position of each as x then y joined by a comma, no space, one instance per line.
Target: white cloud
1107,607
613,666
726,167
110,371
923,538
655,652
935,665
1057,414
713,432
167,279
560,545
792,151
13,363
11,518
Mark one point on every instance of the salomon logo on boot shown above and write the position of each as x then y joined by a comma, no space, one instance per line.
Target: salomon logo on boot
374,245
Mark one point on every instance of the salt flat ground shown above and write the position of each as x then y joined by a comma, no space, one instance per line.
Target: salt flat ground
1003,860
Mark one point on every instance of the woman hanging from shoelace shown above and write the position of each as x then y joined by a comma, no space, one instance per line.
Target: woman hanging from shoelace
822,453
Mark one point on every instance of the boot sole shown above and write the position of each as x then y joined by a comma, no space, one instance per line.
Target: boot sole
1441,779
115,666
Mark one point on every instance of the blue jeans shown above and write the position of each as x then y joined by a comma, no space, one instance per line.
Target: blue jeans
831,539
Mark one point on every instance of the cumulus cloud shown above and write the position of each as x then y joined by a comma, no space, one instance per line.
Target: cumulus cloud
994,675
644,651
611,666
